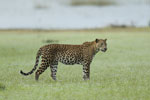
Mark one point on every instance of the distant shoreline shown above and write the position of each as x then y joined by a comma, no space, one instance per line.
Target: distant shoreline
106,29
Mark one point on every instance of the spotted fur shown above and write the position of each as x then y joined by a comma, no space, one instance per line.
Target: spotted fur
67,54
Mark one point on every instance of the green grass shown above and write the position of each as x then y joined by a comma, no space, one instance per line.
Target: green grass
122,73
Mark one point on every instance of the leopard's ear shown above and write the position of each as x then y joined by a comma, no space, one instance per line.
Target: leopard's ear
105,40
96,40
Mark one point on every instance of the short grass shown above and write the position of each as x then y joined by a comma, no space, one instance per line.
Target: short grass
122,73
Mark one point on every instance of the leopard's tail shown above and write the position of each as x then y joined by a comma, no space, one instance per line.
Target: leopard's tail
35,66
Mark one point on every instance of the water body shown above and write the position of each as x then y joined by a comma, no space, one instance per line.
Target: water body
24,14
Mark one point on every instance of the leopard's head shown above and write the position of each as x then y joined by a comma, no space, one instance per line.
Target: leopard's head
101,45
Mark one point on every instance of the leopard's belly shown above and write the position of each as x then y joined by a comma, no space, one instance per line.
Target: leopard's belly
70,58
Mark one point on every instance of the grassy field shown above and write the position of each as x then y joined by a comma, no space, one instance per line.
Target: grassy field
122,73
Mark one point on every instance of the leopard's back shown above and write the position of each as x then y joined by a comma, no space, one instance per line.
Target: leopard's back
66,54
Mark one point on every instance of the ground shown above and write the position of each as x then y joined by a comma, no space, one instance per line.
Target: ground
121,73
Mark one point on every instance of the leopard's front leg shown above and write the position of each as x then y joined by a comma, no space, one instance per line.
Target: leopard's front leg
86,71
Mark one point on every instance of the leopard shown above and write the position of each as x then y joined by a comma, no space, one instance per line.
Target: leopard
52,54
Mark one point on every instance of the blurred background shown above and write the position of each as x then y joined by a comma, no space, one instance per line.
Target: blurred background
73,14
122,73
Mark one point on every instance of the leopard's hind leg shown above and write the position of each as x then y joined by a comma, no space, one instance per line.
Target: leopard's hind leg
53,68
44,64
